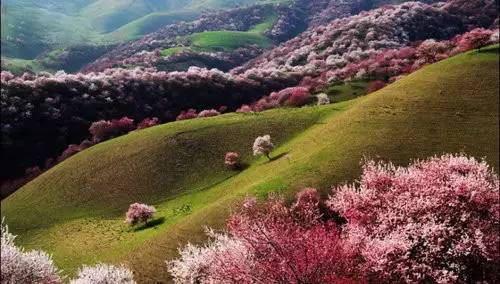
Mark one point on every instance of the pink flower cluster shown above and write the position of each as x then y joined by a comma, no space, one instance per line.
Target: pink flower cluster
104,129
138,212
434,221
294,96
388,65
232,160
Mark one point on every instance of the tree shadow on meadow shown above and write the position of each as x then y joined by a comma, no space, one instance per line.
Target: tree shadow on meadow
278,156
150,224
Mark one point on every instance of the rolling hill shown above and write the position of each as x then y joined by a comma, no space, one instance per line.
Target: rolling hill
75,210
30,27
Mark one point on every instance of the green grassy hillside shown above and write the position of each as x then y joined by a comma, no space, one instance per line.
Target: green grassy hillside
75,210
29,27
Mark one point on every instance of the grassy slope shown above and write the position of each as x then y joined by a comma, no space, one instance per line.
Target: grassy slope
75,210
227,40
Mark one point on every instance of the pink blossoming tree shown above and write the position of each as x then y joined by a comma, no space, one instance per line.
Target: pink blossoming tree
232,160
139,212
434,221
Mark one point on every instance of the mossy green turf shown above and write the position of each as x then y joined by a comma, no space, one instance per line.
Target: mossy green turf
75,210
227,40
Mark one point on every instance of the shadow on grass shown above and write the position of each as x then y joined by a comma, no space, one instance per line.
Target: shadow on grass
278,156
494,49
150,224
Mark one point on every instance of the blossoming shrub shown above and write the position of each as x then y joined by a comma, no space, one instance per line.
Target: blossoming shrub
103,129
148,122
299,96
104,274
208,113
187,114
323,99
139,212
437,220
474,39
19,266
232,160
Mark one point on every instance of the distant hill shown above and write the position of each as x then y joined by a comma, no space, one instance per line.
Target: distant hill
30,27
75,210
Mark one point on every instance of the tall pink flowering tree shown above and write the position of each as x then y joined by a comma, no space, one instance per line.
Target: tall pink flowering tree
270,243
436,221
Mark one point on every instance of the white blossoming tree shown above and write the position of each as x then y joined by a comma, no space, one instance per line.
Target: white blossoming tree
19,266
323,99
263,146
104,274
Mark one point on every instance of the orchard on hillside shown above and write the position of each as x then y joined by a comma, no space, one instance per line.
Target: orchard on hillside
434,221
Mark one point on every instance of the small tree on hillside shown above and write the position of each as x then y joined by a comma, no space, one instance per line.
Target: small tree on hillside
232,160
104,274
138,212
263,146
323,99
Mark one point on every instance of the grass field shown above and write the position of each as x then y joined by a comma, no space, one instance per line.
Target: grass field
75,210
227,40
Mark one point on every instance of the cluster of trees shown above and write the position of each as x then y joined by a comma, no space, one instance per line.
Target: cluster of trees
146,51
293,96
57,110
352,39
435,221
42,114
388,65
20,266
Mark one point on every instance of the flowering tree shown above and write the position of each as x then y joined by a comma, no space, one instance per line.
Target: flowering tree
323,99
270,243
245,109
148,122
474,39
263,146
103,129
104,274
139,212
299,96
187,114
19,266
436,220
232,160
208,113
